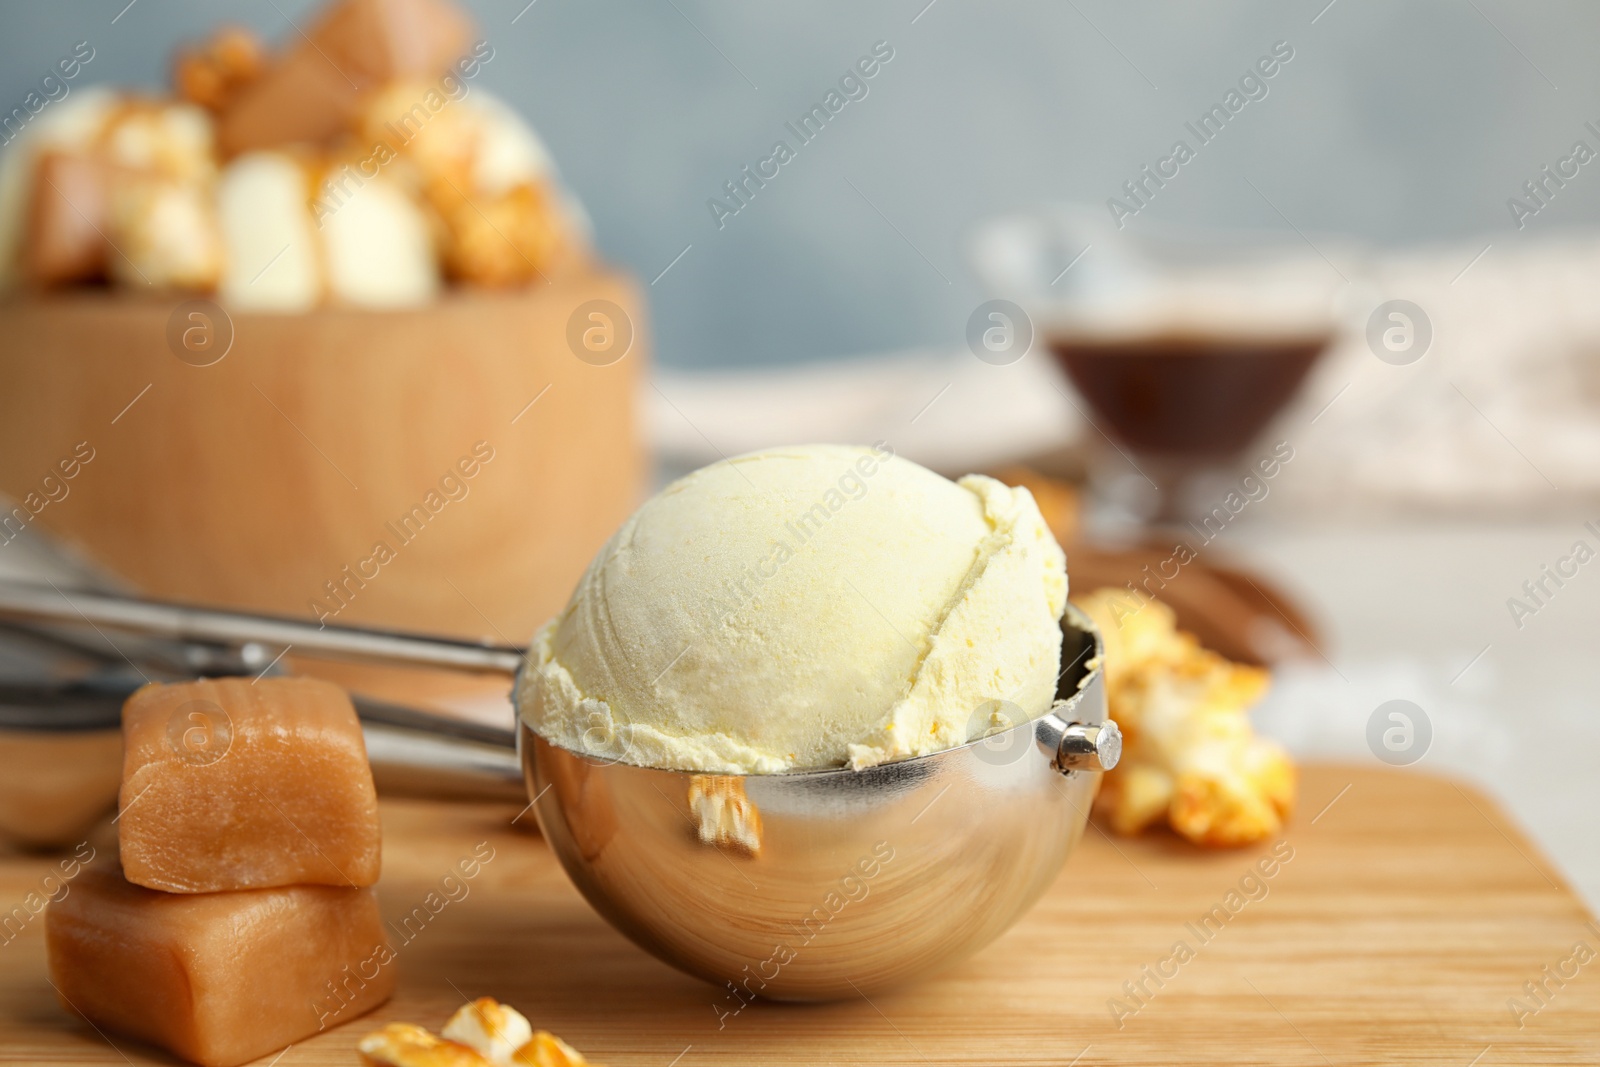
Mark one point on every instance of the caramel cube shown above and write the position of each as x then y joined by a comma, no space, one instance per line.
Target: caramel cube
313,92
217,978
379,41
232,784
67,220
303,97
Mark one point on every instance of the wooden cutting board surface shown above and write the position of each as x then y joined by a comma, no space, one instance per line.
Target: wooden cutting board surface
1409,916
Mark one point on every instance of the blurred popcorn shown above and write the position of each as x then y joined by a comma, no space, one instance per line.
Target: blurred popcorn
506,240
364,169
166,235
503,215
214,73
379,248
1189,754
493,1029
475,141
405,1045
160,139
726,815
547,1050
273,253
162,221
484,1033
113,186
373,249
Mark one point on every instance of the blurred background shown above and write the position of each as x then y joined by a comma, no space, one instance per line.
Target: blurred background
1392,233
1397,123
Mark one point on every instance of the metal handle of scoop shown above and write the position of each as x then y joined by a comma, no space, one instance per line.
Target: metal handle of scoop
413,752
419,752
181,622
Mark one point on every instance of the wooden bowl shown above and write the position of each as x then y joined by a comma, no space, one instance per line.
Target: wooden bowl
449,468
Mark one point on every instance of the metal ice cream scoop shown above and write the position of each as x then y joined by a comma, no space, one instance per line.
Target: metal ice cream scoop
804,885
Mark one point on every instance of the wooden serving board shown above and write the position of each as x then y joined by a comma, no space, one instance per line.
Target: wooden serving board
1408,916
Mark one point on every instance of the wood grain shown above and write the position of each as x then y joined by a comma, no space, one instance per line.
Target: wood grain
1407,917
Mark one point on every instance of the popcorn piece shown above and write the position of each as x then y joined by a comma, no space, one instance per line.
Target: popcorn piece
364,241
163,140
500,241
405,1045
110,184
476,142
488,178
508,153
274,256
1140,794
547,1050
728,818
162,222
114,186
493,1029
214,73
1189,754
484,1033
217,978
315,91
230,784
167,235
378,249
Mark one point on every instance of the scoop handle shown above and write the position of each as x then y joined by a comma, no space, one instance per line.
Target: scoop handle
183,622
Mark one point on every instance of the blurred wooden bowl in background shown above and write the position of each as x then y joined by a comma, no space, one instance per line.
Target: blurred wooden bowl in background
448,469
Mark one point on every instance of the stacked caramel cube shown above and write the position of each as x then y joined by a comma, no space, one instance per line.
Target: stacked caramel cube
242,918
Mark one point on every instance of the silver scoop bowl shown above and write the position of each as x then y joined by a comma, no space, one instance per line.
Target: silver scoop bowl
831,883
800,886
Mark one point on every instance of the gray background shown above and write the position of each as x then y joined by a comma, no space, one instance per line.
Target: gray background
1395,122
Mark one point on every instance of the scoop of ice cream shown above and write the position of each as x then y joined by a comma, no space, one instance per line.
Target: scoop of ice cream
799,608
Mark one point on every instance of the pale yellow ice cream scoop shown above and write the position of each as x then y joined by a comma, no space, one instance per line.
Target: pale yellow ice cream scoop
805,607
